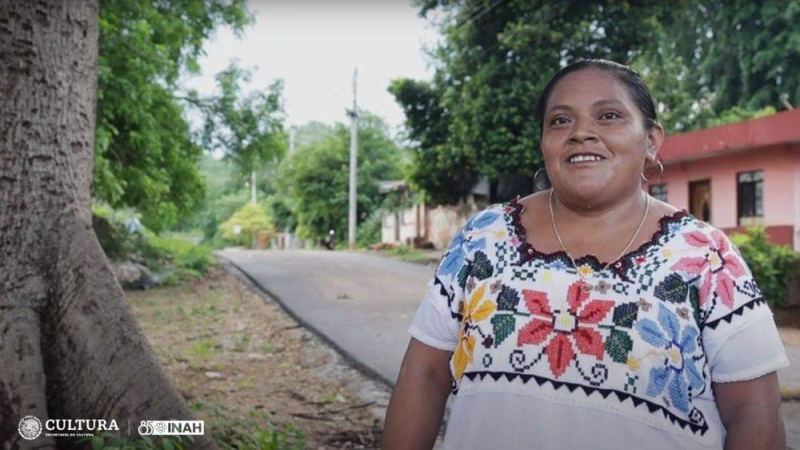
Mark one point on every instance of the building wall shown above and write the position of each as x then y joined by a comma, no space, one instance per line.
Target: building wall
781,168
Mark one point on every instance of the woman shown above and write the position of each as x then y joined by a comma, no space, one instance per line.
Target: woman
591,315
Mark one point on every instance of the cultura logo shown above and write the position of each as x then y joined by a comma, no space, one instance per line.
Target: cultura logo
30,428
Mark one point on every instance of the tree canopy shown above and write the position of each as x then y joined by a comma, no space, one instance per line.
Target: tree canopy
316,177
145,156
705,61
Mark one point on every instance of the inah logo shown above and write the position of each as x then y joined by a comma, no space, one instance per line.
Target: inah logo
30,428
172,428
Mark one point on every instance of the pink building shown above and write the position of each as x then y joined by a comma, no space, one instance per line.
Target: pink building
738,175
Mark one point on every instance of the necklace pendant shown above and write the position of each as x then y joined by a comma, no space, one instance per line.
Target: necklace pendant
586,287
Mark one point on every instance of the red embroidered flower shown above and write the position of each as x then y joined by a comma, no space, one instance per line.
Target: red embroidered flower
565,330
719,267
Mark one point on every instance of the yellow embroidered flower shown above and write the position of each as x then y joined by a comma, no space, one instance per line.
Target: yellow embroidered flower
585,271
472,312
666,252
547,277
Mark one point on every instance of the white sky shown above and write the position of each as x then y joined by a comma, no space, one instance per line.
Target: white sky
314,45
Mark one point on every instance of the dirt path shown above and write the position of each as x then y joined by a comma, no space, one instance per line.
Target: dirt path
253,373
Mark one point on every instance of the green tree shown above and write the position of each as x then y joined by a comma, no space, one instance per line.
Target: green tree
738,57
144,153
476,117
248,129
316,177
247,225
707,61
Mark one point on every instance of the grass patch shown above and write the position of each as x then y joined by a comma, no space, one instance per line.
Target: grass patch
409,254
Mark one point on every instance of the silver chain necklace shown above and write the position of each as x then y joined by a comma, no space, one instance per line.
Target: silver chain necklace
587,286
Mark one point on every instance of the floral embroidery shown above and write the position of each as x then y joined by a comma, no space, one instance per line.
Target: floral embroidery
719,267
473,312
678,372
563,327
524,324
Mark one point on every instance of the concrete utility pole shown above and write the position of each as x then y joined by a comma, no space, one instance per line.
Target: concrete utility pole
351,229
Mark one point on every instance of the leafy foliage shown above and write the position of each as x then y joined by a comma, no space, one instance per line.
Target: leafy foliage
774,266
247,129
316,177
144,155
252,223
708,62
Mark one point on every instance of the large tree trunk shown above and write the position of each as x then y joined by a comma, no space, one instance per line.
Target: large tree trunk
69,345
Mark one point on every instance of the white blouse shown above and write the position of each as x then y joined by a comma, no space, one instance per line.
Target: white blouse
539,361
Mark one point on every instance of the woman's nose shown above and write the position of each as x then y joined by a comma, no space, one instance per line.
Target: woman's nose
582,131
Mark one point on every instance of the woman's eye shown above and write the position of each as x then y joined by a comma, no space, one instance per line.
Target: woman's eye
610,116
559,121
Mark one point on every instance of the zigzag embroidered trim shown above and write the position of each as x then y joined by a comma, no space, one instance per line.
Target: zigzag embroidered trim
527,251
701,427
450,297
737,312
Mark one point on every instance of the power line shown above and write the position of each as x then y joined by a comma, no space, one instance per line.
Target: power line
486,11
477,12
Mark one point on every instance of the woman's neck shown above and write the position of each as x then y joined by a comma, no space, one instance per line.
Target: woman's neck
629,208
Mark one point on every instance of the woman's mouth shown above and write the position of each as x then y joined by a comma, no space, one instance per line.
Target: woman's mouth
584,158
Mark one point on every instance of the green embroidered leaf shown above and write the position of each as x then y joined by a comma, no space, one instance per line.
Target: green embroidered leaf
463,274
481,266
625,315
503,325
694,300
618,345
673,289
507,300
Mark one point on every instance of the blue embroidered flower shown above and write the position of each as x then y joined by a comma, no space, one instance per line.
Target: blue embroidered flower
679,370
558,265
454,257
475,244
483,220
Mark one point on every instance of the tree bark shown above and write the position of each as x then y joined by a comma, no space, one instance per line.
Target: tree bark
69,345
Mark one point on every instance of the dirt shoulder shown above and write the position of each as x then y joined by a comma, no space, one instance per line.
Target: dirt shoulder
253,373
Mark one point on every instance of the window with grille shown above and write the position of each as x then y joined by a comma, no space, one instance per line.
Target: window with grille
750,198
659,191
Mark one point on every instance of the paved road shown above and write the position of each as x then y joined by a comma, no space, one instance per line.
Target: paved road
363,304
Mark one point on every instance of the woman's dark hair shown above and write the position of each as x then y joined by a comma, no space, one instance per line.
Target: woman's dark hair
627,76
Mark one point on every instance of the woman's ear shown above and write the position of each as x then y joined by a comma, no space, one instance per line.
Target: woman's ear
655,137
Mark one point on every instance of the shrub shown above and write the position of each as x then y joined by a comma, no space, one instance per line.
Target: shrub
185,257
248,225
773,266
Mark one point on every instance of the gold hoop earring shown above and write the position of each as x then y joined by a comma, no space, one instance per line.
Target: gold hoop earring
545,184
660,170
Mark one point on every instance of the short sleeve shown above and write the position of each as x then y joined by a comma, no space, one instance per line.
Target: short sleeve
740,337
439,315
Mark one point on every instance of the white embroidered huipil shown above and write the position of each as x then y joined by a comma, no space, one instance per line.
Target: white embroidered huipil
540,363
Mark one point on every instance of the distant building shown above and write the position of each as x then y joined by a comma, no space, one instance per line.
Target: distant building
737,175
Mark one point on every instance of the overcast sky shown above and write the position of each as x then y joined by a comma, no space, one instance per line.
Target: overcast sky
314,45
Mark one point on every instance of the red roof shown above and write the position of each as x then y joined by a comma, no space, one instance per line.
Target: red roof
780,128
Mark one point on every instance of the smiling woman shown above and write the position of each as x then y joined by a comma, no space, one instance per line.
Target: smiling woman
669,345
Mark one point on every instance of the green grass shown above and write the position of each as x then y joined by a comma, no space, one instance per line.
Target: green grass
409,254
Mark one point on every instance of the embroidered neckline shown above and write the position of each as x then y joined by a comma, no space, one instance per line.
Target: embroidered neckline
527,252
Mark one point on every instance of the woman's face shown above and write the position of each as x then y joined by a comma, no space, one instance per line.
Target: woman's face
594,139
